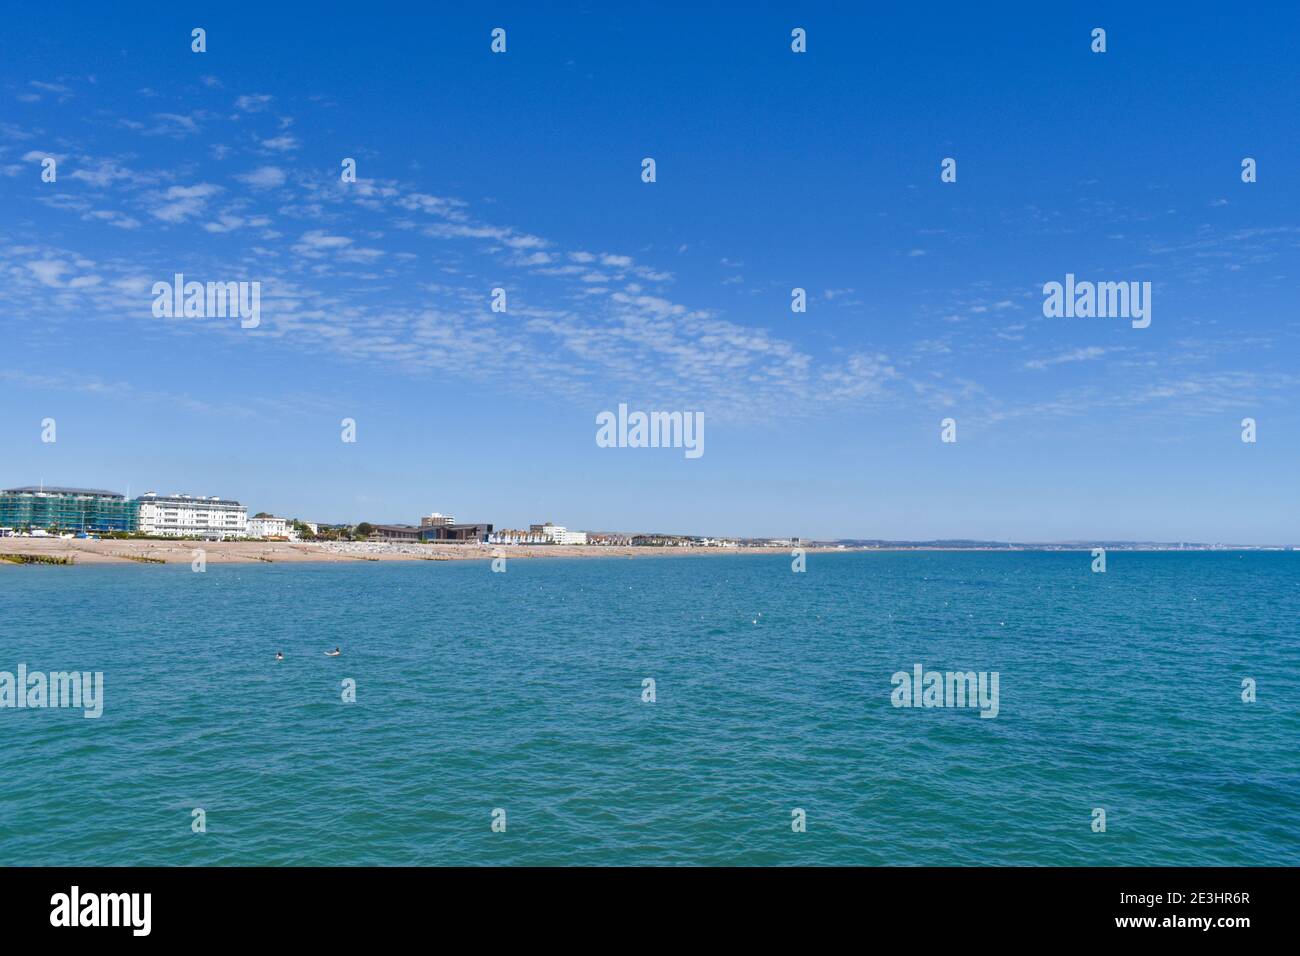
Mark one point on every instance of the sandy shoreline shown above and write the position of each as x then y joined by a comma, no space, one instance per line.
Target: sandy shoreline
84,551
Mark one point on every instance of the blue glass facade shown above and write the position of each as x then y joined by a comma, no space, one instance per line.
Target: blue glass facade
67,509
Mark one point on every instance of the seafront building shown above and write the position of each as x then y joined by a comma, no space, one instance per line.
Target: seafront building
439,533
394,533
547,533
457,533
609,538
558,534
269,526
661,541
438,527
67,509
179,516
516,536
93,510
434,528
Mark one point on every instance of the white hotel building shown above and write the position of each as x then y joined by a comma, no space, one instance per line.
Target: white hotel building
558,534
271,527
539,534
179,516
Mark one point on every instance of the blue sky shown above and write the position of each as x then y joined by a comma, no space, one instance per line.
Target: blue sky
775,170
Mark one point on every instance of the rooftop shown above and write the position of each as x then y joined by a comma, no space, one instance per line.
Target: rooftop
55,490
180,498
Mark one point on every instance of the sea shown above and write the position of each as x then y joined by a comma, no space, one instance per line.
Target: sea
660,711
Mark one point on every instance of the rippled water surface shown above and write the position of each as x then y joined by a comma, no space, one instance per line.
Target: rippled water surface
523,691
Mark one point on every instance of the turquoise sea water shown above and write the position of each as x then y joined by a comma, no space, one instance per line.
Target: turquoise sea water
522,691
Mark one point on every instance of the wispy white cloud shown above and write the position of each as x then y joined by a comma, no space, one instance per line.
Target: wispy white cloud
1075,355
264,177
284,143
178,203
175,125
349,269
253,103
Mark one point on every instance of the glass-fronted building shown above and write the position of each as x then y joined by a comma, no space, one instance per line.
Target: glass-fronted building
67,509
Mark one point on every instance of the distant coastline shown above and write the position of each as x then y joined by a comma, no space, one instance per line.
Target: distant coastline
107,551
83,551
